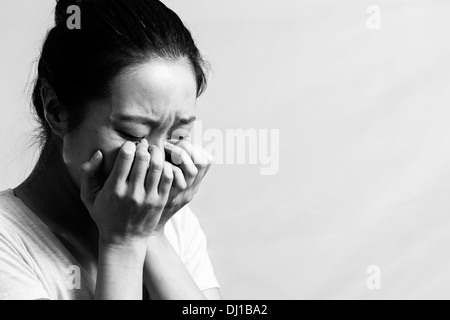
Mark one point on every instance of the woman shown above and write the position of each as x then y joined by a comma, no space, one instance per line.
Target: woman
115,100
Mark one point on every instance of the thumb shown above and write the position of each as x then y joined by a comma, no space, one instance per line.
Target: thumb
88,180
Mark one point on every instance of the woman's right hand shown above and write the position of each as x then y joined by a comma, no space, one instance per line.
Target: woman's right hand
129,205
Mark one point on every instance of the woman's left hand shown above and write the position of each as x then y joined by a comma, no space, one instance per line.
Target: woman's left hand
190,163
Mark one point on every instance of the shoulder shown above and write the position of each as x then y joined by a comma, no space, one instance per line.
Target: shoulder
20,230
14,219
6,201
184,220
33,263
16,228
193,249
183,229
9,206
9,214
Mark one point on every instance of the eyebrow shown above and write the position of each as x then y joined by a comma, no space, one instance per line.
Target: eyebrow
186,121
152,122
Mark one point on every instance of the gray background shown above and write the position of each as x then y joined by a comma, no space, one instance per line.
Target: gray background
364,141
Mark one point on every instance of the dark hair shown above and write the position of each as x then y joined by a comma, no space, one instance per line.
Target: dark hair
80,64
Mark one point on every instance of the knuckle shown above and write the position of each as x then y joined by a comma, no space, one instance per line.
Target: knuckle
180,182
181,185
189,153
197,160
143,156
208,157
157,158
177,171
183,145
84,169
156,165
203,165
154,150
180,152
153,201
167,176
193,171
135,200
117,193
177,156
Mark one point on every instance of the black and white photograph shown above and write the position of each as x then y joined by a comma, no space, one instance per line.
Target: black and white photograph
243,151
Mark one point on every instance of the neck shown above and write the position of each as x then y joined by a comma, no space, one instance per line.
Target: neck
50,192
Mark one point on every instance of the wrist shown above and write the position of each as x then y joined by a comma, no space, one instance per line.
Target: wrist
125,254
115,239
157,243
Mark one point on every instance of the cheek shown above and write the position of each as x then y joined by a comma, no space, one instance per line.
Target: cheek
79,148
109,157
76,151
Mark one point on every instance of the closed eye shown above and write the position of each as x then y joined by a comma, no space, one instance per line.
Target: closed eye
130,137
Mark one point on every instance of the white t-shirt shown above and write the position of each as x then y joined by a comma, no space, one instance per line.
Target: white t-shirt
35,265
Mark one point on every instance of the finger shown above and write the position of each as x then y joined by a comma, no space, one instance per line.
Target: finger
180,158
88,180
190,149
140,166
178,178
155,169
200,157
122,166
166,181
203,168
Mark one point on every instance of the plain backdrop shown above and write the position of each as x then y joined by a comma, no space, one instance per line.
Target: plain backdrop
364,122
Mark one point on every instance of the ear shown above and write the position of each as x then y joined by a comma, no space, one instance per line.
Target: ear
54,112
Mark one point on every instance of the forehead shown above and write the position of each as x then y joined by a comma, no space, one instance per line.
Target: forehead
159,89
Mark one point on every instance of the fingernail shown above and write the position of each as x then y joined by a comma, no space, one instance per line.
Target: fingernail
144,141
96,155
129,147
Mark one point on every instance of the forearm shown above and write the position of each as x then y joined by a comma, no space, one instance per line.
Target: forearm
166,277
119,273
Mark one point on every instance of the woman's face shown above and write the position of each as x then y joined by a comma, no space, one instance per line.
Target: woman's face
155,101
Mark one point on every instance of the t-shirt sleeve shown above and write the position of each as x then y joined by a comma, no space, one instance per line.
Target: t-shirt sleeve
195,254
17,278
